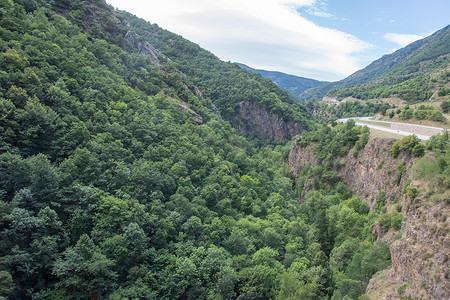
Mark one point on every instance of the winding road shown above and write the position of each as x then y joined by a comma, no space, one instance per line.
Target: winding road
401,129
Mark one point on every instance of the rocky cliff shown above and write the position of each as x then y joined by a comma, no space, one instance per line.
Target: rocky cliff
254,119
420,266
372,171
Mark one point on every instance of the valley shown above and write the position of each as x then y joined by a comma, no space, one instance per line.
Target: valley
134,164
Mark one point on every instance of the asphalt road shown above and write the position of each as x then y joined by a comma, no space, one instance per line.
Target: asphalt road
404,129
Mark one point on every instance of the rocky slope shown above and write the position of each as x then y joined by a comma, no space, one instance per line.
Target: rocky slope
372,171
420,266
420,251
254,119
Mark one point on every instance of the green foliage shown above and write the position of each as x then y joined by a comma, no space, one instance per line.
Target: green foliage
439,142
402,289
423,112
380,164
410,143
381,200
412,192
418,150
401,170
444,92
6,284
337,142
404,73
111,189
395,149
349,108
396,220
445,105
214,77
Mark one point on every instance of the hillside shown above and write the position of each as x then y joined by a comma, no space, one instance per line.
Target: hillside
411,193
407,73
295,85
215,77
136,165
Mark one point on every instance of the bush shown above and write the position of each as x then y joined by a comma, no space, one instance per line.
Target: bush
396,220
401,166
444,92
412,192
445,106
395,150
381,200
409,142
385,222
418,150
380,164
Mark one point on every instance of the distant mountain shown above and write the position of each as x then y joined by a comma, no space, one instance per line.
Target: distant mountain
295,85
405,73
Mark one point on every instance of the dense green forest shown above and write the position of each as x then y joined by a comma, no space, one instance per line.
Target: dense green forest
110,190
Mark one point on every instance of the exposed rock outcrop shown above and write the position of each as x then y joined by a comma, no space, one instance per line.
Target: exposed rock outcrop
372,171
255,119
420,251
420,266
156,57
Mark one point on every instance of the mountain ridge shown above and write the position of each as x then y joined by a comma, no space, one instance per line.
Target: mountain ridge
295,85
390,66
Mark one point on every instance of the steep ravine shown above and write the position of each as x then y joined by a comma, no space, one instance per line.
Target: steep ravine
420,251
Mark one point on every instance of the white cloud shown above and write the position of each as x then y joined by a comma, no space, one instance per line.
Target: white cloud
402,39
318,13
267,34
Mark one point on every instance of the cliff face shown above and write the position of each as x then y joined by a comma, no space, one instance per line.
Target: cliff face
420,265
253,118
372,171
420,258
420,251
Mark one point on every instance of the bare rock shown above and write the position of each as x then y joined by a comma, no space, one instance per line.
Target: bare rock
156,57
255,119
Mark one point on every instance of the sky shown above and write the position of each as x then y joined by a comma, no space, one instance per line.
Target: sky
320,39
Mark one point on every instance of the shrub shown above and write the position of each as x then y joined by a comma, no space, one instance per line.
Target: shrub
385,222
395,150
401,166
418,150
380,164
444,92
412,192
409,142
445,106
381,200
396,220
402,289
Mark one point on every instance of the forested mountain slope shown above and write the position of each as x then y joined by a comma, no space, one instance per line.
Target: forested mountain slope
295,85
406,73
120,178
215,77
